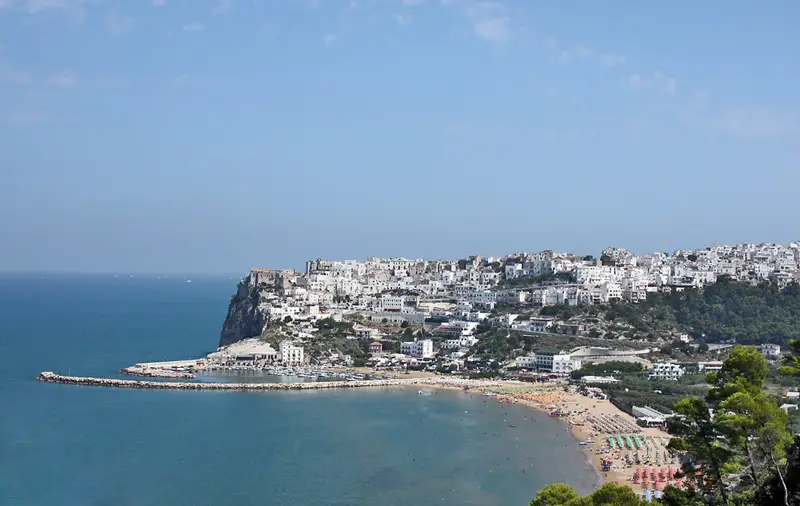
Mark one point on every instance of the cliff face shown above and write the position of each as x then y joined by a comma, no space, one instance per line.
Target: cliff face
244,318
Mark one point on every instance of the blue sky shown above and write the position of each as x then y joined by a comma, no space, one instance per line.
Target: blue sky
193,136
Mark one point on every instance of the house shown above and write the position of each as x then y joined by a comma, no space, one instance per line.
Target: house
709,366
556,362
364,332
664,371
650,416
291,353
421,349
599,380
770,351
376,347
526,362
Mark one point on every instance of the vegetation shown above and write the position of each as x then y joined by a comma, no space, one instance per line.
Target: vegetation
722,311
738,451
610,494
735,441
609,368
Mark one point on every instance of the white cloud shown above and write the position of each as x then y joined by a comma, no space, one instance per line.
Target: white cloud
494,30
62,81
193,27
403,19
759,122
25,118
612,60
636,82
221,7
490,21
578,53
13,76
657,81
119,24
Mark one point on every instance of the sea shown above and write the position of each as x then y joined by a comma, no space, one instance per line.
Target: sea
64,445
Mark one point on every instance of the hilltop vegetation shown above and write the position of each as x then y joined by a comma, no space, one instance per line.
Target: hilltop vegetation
722,311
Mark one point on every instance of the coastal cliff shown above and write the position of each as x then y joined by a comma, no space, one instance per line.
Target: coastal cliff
244,318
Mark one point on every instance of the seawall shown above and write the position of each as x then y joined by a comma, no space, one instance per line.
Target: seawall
50,377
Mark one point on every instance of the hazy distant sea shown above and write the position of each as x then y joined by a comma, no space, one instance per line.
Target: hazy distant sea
63,445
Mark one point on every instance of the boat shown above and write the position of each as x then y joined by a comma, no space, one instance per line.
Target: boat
513,426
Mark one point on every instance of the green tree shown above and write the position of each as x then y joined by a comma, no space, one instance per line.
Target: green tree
791,364
610,494
756,424
744,370
555,494
702,438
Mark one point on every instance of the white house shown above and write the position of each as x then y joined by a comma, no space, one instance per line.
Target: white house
602,380
364,332
461,342
291,353
663,371
709,366
553,361
526,362
770,351
422,348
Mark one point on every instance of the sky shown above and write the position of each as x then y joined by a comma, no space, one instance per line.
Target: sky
215,136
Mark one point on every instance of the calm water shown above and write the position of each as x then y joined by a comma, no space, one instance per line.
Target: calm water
63,446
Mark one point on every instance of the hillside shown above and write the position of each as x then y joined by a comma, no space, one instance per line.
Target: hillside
722,311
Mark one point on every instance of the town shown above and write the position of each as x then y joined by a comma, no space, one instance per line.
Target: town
457,316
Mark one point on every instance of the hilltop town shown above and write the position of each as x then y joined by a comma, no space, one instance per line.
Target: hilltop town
452,314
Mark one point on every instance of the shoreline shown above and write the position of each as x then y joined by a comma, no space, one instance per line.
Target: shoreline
585,417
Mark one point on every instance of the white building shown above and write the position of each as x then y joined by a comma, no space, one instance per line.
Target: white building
526,362
565,364
663,371
602,380
555,362
462,342
422,348
770,351
291,353
709,366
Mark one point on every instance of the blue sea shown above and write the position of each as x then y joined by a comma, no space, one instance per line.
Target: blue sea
64,445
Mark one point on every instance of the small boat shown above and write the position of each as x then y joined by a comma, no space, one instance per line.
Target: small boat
513,426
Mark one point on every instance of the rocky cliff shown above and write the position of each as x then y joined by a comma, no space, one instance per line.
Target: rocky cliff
244,318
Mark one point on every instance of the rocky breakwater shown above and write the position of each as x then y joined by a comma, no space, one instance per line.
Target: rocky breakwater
152,372
51,377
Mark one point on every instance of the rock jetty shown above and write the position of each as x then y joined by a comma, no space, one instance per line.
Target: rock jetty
151,372
51,377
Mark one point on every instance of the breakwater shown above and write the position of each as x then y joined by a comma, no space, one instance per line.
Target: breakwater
50,377
150,372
